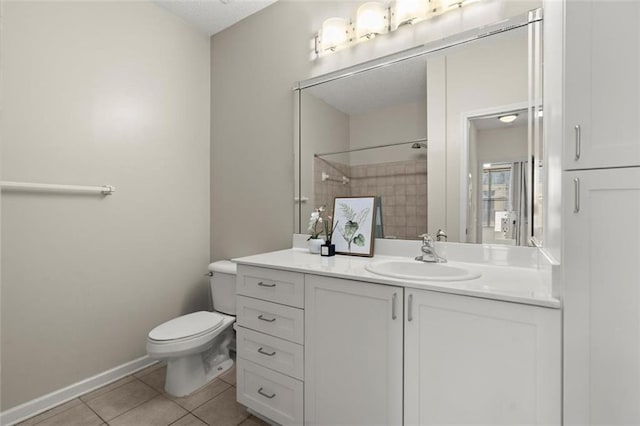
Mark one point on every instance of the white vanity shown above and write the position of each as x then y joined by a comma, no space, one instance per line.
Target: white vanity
321,340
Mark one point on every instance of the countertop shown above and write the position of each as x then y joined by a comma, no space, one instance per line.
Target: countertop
517,284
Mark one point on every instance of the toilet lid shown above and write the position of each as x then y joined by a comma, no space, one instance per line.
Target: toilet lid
186,326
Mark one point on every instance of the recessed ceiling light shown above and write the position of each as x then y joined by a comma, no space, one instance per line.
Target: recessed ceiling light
508,118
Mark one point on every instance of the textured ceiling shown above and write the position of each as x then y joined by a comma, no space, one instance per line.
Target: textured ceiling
212,16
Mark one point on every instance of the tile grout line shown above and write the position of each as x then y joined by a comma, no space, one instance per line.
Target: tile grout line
177,420
52,408
94,412
135,378
144,402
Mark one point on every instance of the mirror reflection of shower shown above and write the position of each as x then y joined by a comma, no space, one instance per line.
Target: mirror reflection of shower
395,173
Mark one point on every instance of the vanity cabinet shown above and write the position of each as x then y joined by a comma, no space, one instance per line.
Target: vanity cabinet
601,84
270,337
383,354
353,352
602,297
477,361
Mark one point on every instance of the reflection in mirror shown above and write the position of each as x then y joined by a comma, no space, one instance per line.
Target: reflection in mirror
422,135
497,196
358,135
395,174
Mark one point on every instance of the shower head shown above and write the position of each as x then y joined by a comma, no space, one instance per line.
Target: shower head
418,145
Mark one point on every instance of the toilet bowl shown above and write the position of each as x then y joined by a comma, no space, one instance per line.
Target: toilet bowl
196,346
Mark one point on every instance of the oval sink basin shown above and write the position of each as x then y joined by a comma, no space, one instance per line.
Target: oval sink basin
420,271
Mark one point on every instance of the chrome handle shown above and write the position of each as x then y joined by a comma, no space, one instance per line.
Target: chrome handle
410,308
576,189
262,284
578,136
208,274
262,351
260,317
266,395
393,306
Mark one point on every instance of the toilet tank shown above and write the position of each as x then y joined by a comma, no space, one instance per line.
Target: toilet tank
223,286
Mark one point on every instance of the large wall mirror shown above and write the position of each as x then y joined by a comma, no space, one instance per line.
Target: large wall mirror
446,136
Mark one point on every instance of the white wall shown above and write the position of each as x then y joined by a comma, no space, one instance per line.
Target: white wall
397,123
324,129
504,144
480,76
254,66
96,93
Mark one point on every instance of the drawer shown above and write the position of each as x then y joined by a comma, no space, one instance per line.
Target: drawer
271,352
271,318
271,284
273,395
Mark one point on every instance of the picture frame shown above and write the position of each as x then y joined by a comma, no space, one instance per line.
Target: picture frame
354,219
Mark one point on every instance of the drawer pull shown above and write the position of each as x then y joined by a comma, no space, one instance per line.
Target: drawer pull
263,284
260,317
262,351
266,395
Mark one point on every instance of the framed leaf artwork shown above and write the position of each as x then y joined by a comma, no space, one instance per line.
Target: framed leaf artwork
353,218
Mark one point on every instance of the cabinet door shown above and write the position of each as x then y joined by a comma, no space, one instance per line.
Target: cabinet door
477,361
602,297
602,84
353,353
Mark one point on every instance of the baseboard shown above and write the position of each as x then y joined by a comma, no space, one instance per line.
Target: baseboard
53,399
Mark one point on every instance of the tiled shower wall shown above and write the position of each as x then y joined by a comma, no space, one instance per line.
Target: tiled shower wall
402,186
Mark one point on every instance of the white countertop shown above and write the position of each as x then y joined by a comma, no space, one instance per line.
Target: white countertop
517,284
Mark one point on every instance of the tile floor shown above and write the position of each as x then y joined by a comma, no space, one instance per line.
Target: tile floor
139,400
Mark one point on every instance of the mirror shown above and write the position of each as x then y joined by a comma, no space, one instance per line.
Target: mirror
423,133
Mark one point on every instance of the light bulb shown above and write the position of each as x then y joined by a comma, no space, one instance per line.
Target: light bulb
409,12
508,118
371,20
335,33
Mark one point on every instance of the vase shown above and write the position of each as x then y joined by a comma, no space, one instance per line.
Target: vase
314,245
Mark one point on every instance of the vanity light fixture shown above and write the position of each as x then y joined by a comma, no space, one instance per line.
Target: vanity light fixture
335,33
508,118
372,19
375,18
409,12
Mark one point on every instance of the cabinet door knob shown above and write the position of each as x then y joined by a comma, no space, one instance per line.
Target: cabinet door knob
578,140
260,317
410,308
263,284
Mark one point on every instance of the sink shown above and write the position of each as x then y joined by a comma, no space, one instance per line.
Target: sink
420,271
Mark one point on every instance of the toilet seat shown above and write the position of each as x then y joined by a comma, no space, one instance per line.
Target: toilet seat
206,326
187,326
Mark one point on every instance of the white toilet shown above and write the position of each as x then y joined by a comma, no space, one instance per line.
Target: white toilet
196,346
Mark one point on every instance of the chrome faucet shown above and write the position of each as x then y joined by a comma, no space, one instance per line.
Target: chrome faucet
441,234
429,253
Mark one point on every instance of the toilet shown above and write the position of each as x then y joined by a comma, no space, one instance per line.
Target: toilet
196,346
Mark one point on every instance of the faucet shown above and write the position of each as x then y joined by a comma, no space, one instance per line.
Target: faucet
441,234
429,253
